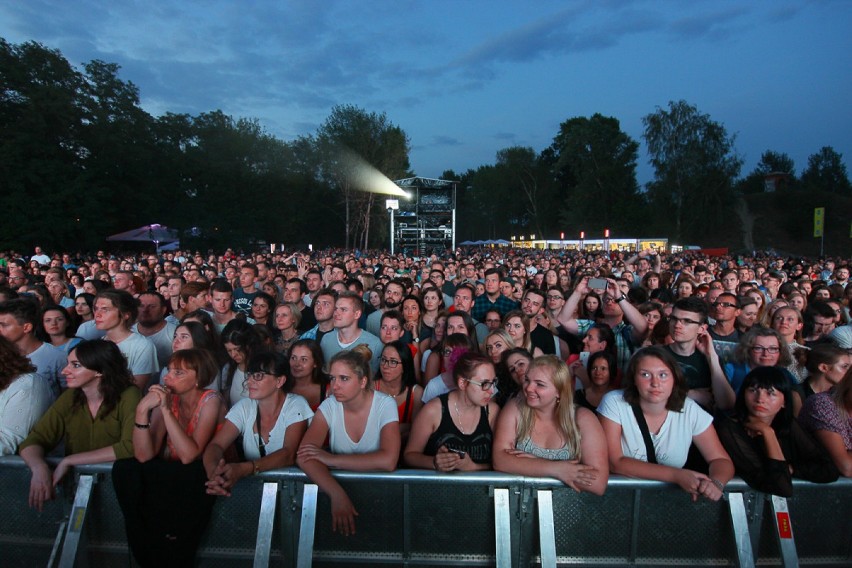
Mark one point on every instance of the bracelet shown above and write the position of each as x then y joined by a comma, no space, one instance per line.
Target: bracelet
718,484
142,426
256,467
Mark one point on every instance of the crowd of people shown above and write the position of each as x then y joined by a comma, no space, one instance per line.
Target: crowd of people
192,372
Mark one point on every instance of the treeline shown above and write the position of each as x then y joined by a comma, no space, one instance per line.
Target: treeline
80,160
586,181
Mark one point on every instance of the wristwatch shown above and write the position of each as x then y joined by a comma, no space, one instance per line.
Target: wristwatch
622,298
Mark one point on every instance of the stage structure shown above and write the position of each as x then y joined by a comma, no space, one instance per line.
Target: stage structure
425,222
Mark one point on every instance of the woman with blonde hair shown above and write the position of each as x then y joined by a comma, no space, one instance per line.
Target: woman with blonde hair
543,434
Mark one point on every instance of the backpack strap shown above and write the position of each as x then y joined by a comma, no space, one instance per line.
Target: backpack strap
646,433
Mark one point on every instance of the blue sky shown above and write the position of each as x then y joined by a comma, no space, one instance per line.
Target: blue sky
467,78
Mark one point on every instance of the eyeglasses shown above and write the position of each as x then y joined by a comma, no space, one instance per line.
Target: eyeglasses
760,349
684,321
258,376
484,385
724,305
392,363
554,297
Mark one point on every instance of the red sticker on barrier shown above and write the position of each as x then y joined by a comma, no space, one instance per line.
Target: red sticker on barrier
784,528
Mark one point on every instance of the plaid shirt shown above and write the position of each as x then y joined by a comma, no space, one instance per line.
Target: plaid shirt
482,304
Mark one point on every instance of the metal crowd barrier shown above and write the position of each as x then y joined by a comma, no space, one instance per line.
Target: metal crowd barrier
421,518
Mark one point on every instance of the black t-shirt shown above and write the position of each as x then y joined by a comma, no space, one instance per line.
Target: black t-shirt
542,338
695,368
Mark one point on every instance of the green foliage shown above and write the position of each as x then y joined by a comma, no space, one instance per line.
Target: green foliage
350,139
826,172
695,167
596,164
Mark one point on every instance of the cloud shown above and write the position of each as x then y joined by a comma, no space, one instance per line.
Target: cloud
445,141
505,136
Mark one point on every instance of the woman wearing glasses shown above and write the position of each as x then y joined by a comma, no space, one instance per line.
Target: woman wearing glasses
454,431
397,379
543,434
271,423
760,347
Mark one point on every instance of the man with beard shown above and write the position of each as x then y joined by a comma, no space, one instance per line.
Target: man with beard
394,292
151,323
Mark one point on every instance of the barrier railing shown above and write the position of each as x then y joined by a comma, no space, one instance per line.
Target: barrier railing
422,518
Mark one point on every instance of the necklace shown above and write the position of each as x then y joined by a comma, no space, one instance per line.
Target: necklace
459,414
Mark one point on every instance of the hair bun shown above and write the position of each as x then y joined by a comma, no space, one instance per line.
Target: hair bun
364,352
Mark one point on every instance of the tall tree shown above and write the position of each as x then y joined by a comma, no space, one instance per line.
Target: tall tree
349,139
826,172
595,161
695,167
41,147
522,168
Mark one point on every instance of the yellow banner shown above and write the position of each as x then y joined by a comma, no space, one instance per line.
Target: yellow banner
819,221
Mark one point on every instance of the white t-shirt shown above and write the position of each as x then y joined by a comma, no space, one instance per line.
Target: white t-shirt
140,353
49,362
162,341
88,330
383,411
238,389
434,388
21,405
671,444
243,415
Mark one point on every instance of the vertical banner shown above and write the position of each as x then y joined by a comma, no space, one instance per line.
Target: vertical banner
819,221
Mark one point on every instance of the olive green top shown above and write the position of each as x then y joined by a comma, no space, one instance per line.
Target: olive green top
81,432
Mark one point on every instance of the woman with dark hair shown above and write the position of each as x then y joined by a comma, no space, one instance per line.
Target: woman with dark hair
600,337
650,425
455,430
161,492
590,309
204,318
306,372
601,370
827,365
271,423
56,328
397,379
510,373
766,444
94,417
412,314
24,396
354,412
828,416
262,309
240,341
84,306
658,323
433,303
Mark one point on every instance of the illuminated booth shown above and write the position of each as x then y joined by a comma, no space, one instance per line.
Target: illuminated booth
425,222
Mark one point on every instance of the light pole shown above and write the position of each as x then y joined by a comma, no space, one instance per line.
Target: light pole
392,205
